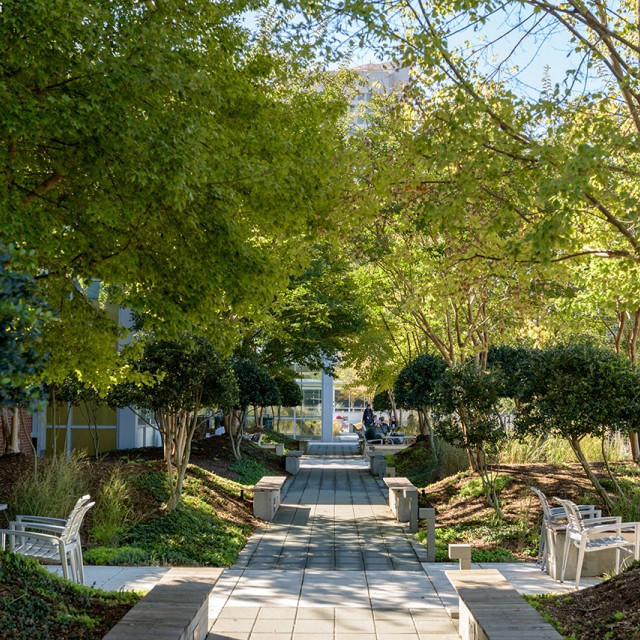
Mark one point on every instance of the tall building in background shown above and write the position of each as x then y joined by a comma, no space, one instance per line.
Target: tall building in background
384,77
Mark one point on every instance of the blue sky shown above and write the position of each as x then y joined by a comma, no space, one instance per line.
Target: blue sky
529,59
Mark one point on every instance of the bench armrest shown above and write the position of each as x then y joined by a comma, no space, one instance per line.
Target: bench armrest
45,537
58,521
607,528
591,522
39,526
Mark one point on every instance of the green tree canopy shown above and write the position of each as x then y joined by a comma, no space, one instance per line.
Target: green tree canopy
167,152
578,389
289,391
22,316
187,375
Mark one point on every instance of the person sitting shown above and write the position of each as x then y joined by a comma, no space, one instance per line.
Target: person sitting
384,426
372,433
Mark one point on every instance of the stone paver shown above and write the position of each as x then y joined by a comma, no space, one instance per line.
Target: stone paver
333,516
333,564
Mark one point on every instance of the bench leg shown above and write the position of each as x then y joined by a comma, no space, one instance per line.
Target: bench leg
412,496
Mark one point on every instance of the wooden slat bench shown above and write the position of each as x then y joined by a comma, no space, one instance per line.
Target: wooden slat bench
266,496
177,608
403,501
491,609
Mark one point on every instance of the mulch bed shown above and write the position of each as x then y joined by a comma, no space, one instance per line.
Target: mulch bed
568,481
610,610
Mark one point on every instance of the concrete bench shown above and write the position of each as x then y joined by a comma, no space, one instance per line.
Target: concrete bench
403,501
277,448
292,462
266,497
377,464
491,609
177,608
386,449
461,552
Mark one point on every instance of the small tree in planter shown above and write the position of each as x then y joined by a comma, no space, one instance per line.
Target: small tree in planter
468,403
188,375
576,390
415,388
385,401
290,394
257,389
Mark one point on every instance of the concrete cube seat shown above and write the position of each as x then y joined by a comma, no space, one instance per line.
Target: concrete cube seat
266,497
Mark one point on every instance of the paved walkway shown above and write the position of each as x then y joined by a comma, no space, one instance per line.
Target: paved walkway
333,517
332,566
335,566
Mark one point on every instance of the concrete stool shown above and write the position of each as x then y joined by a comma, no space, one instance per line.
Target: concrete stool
292,462
461,552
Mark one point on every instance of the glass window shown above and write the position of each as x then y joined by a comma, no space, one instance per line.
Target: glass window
311,428
311,402
341,400
286,426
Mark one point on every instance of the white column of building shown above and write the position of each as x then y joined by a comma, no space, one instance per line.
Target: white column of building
327,408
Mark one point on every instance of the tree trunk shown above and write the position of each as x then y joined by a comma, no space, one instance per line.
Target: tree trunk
577,449
422,423
67,432
234,424
14,447
605,458
470,453
6,429
33,449
392,402
635,446
432,441
90,414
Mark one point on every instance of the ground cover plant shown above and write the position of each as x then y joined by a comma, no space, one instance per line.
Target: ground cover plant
37,604
608,610
129,524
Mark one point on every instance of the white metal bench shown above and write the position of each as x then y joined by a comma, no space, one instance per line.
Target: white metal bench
50,539
403,501
491,609
266,497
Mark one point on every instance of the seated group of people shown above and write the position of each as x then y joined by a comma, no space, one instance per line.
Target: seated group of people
376,427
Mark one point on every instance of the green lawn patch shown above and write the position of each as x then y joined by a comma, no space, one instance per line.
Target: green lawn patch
37,605
249,471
